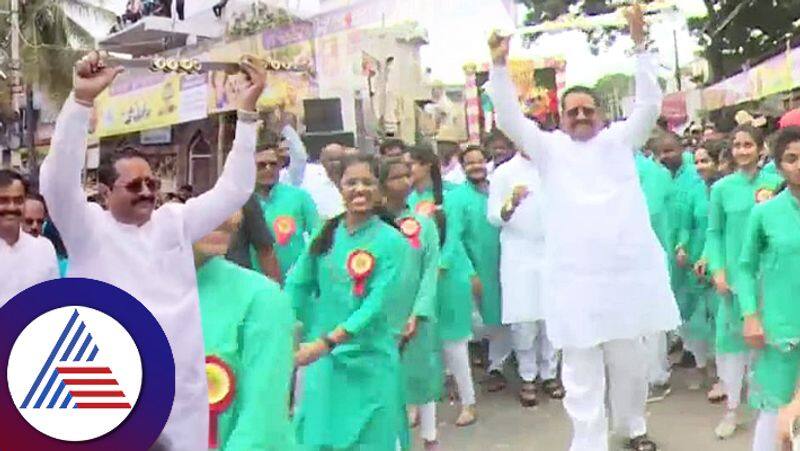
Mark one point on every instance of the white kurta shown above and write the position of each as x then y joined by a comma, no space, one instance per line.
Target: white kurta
521,240
605,274
323,191
298,156
29,261
154,262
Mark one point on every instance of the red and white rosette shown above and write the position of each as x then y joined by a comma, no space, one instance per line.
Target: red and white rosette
411,228
425,208
764,195
221,390
360,264
284,228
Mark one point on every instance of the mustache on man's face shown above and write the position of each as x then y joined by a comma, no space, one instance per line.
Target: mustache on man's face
142,199
16,213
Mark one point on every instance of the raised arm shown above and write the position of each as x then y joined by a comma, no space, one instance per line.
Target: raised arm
298,156
204,213
61,170
636,129
524,132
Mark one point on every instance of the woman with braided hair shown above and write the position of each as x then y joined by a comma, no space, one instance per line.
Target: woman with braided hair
341,288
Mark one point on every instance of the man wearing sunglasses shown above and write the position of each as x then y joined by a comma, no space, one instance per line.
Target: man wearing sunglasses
605,283
144,251
25,259
34,214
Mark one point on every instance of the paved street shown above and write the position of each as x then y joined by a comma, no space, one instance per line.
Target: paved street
685,421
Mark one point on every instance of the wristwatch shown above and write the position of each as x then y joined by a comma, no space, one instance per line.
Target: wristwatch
248,116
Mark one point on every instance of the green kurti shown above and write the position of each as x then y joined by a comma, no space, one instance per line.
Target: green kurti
656,185
248,323
482,243
351,397
683,181
692,238
454,289
770,271
421,357
291,217
732,198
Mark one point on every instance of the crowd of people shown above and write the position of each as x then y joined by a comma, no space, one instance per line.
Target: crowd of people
342,293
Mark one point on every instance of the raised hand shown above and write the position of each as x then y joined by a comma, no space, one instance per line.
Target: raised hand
499,47
92,76
256,75
636,23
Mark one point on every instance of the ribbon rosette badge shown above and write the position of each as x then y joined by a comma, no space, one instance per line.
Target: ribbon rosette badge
426,208
221,389
410,228
284,227
360,264
764,195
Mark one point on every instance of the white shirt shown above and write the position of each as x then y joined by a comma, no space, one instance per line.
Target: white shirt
323,191
154,262
27,262
521,240
605,273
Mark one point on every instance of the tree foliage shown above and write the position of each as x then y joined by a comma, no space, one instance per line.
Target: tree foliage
51,40
733,33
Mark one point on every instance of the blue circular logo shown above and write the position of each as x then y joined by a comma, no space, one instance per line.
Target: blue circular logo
87,366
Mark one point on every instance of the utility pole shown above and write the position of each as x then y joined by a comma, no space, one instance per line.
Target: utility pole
16,76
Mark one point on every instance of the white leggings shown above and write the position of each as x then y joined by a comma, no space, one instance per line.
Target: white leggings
456,359
732,369
766,435
427,421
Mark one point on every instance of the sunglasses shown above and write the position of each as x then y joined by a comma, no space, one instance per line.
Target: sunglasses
29,221
266,164
588,112
136,185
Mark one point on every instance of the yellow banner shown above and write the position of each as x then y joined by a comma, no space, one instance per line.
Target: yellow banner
138,103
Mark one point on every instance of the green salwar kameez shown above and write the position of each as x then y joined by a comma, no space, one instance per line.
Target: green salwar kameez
351,396
732,199
770,273
248,323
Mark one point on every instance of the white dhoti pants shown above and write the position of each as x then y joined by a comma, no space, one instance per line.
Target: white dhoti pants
766,435
584,376
456,359
499,347
536,356
657,362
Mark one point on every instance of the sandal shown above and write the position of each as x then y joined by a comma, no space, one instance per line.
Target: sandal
527,394
716,395
642,443
554,389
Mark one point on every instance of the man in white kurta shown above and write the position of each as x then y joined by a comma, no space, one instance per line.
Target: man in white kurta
605,280
521,260
25,260
153,261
